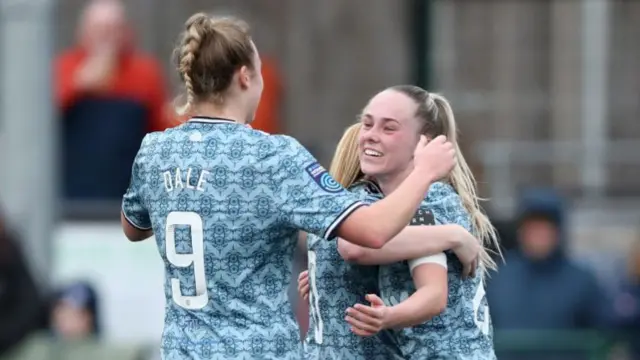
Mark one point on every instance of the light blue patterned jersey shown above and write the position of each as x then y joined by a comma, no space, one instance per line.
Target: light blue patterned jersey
225,203
463,330
336,285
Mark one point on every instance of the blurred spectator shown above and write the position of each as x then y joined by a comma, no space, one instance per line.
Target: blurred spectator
109,95
75,315
626,301
20,303
539,287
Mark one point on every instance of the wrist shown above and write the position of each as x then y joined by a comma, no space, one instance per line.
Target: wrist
423,176
426,172
390,317
457,238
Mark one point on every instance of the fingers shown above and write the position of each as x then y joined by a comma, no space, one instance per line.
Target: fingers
440,139
466,270
469,270
361,332
373,299
303,288
423,141
303,291
363,321
303,275
474,267
303,285
303,279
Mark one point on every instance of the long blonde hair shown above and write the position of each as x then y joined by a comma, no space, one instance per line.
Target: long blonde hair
345,166
436,115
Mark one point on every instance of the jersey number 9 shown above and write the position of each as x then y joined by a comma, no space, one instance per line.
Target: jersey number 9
482,324
196,258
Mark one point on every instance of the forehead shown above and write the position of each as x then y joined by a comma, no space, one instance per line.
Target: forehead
101,12
391,104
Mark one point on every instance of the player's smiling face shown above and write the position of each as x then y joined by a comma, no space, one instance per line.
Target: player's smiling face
389,135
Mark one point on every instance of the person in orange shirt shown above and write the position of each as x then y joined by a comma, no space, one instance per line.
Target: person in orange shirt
109,95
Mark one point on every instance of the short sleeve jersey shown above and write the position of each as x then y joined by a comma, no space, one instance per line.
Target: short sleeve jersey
225,203
463,330
336,285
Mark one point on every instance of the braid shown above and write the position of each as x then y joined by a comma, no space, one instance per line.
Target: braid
195,27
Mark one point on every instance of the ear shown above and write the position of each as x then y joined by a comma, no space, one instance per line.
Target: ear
244,77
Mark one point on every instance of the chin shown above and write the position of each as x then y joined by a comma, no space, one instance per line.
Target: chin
371,170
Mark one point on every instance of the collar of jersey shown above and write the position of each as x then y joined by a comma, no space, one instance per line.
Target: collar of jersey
211,120
371,186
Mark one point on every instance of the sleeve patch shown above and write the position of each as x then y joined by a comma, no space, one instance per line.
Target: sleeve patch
323,178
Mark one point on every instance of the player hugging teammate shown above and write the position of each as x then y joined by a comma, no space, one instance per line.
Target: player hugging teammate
428,308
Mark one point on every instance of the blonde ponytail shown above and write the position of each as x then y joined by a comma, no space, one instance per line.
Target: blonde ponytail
195,28
345,165
464,183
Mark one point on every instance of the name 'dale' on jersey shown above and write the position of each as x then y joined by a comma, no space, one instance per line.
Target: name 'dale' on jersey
177,179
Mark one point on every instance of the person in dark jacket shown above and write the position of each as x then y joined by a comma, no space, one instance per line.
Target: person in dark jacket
625,311
21,306
539,287
75,314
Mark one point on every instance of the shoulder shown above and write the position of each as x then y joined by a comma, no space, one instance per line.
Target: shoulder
285,142
442,195
153,138
446,205
288,149
440,189
151,144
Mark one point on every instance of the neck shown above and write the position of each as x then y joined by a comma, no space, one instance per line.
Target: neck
389,183
229,111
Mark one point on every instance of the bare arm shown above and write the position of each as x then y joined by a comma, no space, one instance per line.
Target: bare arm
373,226
131,232
430,278
410,243
429,300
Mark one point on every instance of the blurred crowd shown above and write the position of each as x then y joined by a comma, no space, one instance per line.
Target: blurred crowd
109,95
540,289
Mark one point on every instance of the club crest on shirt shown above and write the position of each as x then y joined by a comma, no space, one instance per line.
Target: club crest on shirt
423,217
323,178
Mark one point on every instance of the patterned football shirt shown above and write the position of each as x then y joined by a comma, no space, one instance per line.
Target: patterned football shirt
225,203
335,285
463,330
